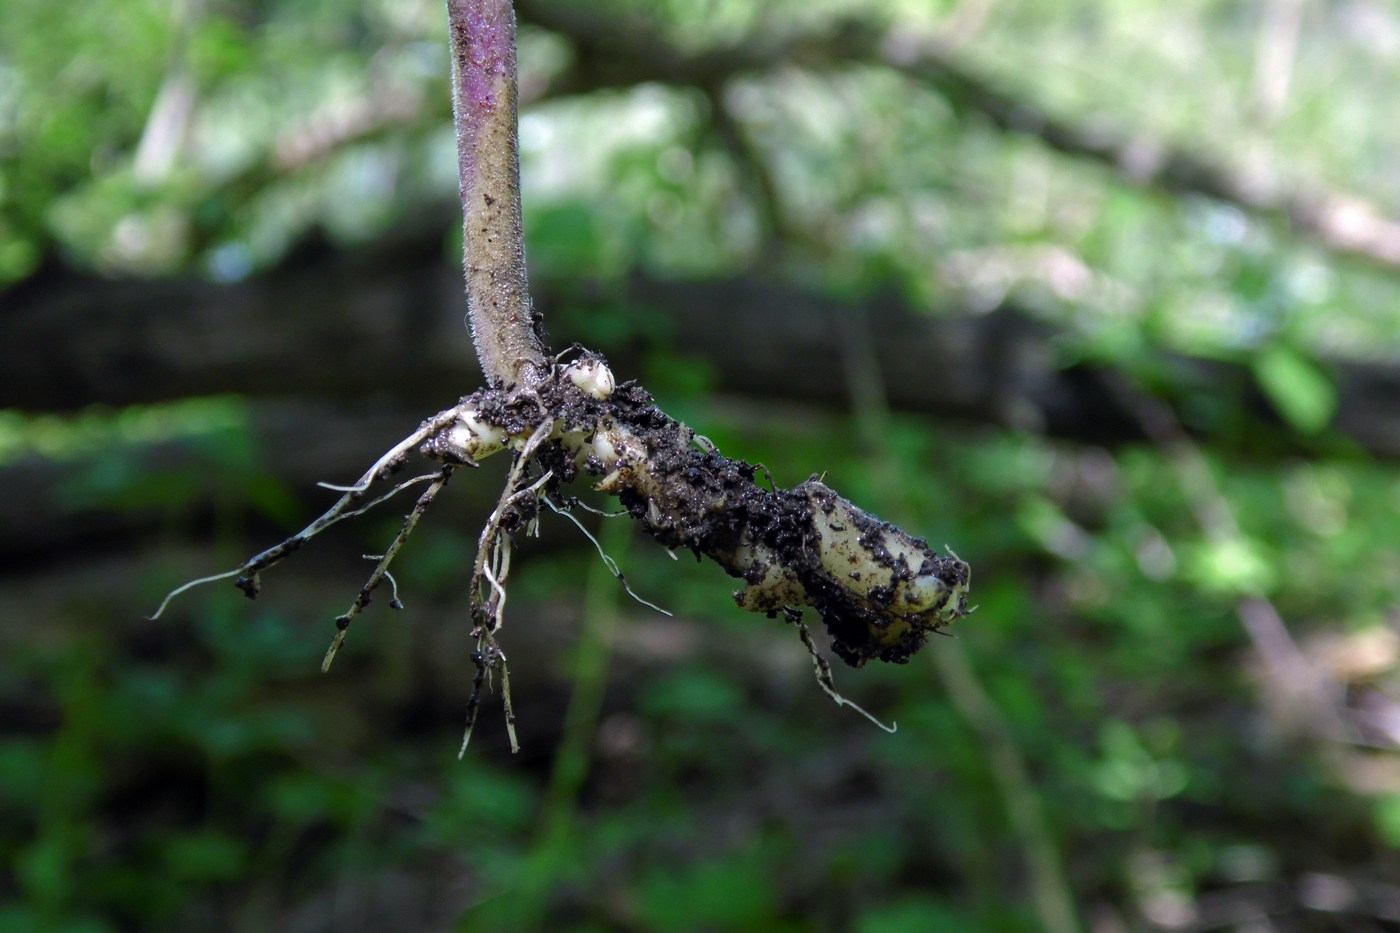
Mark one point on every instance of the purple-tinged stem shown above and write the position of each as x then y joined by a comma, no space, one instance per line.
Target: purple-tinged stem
503,325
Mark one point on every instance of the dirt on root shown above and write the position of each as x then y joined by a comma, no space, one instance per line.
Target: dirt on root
690,496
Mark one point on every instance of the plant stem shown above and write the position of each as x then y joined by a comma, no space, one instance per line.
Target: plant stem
503,325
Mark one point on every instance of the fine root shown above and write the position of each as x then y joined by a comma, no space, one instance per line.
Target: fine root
514,509
487,657
381,569
821,667
607,560
517,508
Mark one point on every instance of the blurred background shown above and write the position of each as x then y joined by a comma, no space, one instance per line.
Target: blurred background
1105,295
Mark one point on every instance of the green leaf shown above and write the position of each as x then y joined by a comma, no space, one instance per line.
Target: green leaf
915,912
1297,387
1388,819
1231,567
206,855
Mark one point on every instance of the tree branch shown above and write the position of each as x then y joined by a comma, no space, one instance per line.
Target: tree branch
484,102
610,57
69,339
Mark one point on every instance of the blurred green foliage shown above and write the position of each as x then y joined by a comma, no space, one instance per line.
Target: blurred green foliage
1120,735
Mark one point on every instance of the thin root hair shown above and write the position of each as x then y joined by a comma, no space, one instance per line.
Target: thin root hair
574,502
607,560
191,584
381,569
394,455
822,668
488,655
